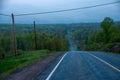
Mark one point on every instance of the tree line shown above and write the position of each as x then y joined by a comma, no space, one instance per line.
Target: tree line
103,38
26,42
107,39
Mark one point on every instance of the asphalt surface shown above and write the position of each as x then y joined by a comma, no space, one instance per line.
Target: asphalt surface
82,65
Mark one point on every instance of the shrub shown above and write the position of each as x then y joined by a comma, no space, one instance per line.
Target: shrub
19,52
2,53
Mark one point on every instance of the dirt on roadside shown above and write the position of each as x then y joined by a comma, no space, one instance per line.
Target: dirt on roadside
29,72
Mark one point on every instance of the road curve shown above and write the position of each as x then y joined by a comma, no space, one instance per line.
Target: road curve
82,65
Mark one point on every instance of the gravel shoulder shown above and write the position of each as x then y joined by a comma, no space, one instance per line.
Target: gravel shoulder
29,72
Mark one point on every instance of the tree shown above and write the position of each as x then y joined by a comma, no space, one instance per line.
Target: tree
2,52
106,24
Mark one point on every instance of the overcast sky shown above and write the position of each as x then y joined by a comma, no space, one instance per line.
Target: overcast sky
34,6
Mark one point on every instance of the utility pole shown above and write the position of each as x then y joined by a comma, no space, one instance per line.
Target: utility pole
14,36
35,35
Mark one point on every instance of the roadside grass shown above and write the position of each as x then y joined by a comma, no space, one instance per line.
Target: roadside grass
10,64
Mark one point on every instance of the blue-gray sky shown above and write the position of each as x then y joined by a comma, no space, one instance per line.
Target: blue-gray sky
33,6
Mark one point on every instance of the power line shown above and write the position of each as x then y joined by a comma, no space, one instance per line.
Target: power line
65,10
68,9
4,14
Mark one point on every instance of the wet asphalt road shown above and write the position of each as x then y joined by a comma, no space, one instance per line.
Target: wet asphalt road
81,65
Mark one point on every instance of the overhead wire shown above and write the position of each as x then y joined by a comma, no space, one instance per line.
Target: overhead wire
65,10
4,14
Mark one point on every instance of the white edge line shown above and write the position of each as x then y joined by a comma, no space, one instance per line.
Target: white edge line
56,67
105,62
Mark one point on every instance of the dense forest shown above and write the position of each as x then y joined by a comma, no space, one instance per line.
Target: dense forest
107,39
49,37
104,36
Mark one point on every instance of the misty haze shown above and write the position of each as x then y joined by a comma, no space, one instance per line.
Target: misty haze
59,40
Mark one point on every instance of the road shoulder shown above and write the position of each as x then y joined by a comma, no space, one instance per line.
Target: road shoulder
30,72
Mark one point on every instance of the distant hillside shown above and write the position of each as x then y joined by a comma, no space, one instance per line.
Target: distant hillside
26,28
51,28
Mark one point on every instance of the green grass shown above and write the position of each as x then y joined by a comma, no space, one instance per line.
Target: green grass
11,64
